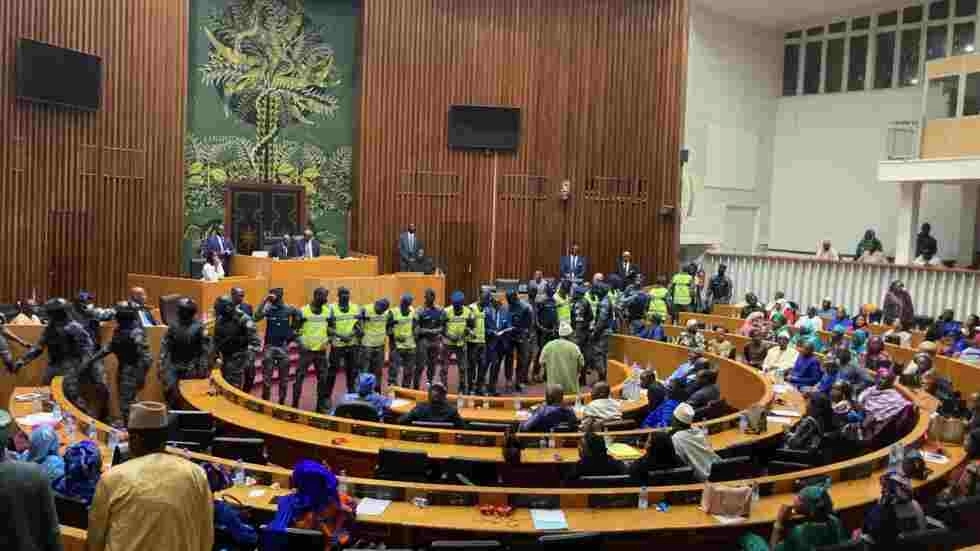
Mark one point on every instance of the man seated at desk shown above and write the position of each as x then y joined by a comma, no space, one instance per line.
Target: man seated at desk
436,410
283,249
551,414
308,246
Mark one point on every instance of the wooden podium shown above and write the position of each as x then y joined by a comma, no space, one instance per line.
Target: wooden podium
290,274
204,293
365,290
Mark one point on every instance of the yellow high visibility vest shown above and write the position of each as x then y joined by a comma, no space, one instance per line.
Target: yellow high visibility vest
313,333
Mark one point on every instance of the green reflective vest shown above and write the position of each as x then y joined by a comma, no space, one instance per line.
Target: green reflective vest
313,333
564,308
658,303
343,323
404,338
456,324
375,327
593,302
479,335
681,285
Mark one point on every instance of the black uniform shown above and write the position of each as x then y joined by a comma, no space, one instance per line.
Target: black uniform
236,341
132,354
183,351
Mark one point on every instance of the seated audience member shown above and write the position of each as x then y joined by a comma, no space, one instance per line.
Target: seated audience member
861,323
755,351
950,345
705,389
808,433
83,467
656,392
155,500
594,459
840,320
898,329
662,415
971,327
652,329
947,322
365,393
859,343
842,404
751,305
973,410
436,410
752,323
30,520
691,443
926,248
849,372
315,505
26,313
720,346
941,388
228,520
44,452
831,374
965,480
658,455
827,312
896,511
927,348
812,320
818,527
685,369
601,408
826,252
212,269
781,357
806,334
882,403
838,342
550,414
875,355
917,369
775,306
692,336
806,371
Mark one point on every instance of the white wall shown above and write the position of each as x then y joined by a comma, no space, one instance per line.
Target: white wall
824,183
733,82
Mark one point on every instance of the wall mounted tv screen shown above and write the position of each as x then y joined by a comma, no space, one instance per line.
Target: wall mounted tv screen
49,74
484,127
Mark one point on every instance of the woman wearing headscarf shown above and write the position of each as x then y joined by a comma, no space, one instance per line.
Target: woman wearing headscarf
819,526
316,505
83,467
751,305
874,354
811,320
366,383
819,419
882,403
859,343
43,450
897,305
840,321
965,480
751,323
807,334
896,511
868,245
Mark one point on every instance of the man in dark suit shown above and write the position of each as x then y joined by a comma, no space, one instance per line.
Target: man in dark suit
626,268
574,266
308,247
283,249
221,246
409,250
238,299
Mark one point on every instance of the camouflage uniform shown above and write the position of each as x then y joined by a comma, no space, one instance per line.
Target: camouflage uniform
236,340
183,354
132,354
604,323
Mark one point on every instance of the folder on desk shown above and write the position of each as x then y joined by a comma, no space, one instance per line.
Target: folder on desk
624,452
549,519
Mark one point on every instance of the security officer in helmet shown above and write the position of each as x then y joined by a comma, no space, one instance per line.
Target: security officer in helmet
457,329
132,353
375,319
313,341
281,321
183,351
345,331
236,341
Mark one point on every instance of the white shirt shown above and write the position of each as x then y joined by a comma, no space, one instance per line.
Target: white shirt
777,358
309,249
212,273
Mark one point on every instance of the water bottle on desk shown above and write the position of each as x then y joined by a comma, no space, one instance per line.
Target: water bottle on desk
460,402
239,477
552,443
56,411
342,485
113,440
644,500
69,422
517,404
91,433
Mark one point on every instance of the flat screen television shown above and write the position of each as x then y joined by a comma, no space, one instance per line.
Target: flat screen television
59,76
484,127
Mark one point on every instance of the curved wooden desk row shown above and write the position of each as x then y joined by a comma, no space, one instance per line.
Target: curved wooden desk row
452,509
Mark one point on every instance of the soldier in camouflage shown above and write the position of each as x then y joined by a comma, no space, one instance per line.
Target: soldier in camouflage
183,351
604,326
133,358
235,340
582,324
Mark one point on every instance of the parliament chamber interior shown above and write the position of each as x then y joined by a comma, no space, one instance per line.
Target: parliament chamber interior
505,275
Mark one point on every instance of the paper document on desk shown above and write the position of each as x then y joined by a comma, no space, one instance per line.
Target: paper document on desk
400,402
29,397
37,419
785,413
624,452
931,457
780,388
728,520
549,519
370,507
781,420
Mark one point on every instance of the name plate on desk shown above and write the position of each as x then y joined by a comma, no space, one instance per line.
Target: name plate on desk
475,440
321,423
613,501
390,493
365,430
418,436
530,501
285,415
254,406
453,499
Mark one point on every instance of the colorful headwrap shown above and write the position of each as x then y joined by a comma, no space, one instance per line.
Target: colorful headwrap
895,488
83,467
816,500
365,383
316,487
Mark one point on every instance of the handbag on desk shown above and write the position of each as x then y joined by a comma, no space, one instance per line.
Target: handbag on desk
727,501
756,420
951,430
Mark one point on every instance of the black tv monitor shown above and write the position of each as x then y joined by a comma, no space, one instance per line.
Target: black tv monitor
484,127
59,76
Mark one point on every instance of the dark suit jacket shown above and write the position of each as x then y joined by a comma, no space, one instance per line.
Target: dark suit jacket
406,254
578,271
624,273
213,243
276,251
300,250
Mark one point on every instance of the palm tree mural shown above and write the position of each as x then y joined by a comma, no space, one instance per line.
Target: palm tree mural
271,69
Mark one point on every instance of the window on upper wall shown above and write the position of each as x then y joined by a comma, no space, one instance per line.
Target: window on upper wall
963,38
971,95
791,68
908,62
811,67
938,10
884,59
912,14
834,81
966,8
857,64
941,97
936,42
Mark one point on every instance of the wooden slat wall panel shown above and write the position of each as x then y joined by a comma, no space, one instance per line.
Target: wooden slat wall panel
118,171
600,85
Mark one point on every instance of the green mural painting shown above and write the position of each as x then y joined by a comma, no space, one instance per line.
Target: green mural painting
270,98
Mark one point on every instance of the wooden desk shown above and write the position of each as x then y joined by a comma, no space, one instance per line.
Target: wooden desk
710,320
727,310
73,539
204,293
290,274
32,374
366,289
